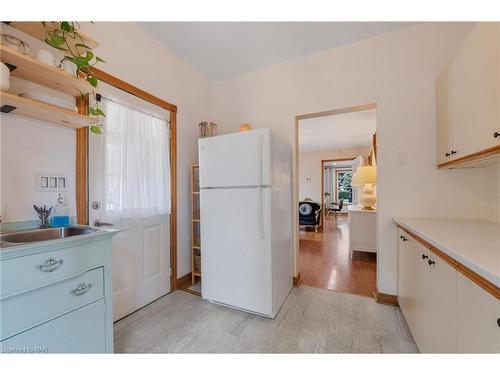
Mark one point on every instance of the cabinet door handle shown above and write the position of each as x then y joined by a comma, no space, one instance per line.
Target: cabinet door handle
447,154
431,262
81,289
424,256
498,322
453,152
50,265
496,134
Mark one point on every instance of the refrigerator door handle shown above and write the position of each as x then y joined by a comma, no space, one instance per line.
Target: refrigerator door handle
261,203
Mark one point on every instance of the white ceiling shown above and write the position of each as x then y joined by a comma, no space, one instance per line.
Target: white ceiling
352,129
224,49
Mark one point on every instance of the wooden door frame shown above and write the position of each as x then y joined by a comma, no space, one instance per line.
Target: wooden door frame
82,164
295,174
323,162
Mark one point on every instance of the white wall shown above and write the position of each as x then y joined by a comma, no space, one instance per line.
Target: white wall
492,193
397,71
136,57
30,147
310,168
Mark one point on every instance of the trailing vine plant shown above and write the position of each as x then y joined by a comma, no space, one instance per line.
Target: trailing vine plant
59,35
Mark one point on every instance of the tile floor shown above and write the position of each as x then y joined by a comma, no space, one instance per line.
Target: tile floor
312,320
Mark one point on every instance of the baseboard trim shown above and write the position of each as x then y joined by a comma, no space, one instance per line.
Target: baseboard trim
297,280
184,281
386,299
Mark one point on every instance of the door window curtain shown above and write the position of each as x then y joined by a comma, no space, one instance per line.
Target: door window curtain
137,163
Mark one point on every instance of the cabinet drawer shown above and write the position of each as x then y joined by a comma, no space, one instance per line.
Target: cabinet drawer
81,331
26,310
32,271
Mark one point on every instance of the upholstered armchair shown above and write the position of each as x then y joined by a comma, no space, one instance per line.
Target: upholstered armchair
310,214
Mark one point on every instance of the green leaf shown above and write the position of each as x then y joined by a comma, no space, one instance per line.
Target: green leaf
95,129
98,59
99,112
92,80
65,26
49,42
89,56
57,40
82,45
78,61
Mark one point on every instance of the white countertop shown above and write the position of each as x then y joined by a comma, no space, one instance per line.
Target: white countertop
474,243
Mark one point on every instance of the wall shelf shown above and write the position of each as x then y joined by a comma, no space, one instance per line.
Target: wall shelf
37,30
42,111
195,230
31,69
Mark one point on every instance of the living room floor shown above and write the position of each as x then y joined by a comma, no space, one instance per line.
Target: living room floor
312,320
324,260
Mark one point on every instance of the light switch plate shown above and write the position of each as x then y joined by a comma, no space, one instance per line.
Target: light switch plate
50,182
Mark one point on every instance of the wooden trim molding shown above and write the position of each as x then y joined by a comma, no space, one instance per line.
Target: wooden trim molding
492,151
124,86
184,281
385,299
464,270
479,280
297,280
358,108
173,198
82,165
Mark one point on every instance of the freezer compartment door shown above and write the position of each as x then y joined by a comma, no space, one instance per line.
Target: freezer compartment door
240,159
236,248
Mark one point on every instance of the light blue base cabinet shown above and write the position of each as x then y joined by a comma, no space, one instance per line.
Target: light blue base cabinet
56,296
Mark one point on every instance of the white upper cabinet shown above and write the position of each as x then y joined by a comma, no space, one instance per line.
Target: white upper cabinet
475,90
468,96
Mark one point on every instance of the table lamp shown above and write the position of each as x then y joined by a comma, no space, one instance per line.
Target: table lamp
366,177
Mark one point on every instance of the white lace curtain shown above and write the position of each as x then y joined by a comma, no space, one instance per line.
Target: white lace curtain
137,165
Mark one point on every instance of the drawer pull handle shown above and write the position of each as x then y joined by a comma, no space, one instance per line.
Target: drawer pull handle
498,322
431,262
50,265
424,256
496,134
81,289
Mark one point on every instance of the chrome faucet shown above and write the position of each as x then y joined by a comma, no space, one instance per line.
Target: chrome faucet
43,215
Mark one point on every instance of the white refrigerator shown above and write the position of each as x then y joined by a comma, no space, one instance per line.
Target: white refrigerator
246,221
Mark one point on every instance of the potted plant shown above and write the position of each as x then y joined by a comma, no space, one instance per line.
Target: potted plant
84,58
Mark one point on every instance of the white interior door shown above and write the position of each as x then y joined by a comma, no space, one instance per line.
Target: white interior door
141,251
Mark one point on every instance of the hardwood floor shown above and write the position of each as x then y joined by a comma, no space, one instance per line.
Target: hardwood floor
324,260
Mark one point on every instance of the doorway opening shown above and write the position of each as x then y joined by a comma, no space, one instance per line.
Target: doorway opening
337,243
